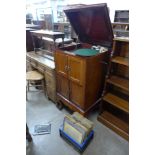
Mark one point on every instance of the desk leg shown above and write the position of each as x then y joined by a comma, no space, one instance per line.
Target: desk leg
54,44
33,41
28,136
62,42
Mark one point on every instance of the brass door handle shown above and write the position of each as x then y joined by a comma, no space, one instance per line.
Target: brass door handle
66,68
69,68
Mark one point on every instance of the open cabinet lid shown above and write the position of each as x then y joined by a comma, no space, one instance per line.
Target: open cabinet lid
91,23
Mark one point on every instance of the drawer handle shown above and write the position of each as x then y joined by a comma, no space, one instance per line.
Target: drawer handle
41,69
47,83
66,68
69,68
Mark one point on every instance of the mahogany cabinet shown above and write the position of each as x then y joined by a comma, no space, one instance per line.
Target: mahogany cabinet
79,80
80,77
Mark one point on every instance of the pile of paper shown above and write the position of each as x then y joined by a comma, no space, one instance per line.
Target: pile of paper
77,126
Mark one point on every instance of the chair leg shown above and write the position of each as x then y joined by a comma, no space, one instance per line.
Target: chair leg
28,136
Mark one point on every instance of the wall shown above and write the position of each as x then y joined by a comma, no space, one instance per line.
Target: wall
112,4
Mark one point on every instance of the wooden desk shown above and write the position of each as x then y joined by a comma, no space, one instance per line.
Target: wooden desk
49,34
36,60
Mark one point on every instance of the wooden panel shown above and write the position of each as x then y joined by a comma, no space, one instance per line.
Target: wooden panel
50,71
61,63
71,105
76,70
41,68
33,63
122,71
50,85
77,94
121,48
28,66
114,123
120,60
119,82
28,59
95,75
117,102
124,50
63,86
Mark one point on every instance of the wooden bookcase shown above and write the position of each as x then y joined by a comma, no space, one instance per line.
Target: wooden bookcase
121,23
121,16
114,111
120,29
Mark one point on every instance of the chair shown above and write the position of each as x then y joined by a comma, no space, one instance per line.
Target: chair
35,77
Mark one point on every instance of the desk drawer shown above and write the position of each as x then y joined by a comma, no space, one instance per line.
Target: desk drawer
50,86
34,63
50,72
41,68
28,66
28,59
50,80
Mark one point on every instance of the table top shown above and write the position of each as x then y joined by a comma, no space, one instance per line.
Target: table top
30,29
59,40
32,26
47,32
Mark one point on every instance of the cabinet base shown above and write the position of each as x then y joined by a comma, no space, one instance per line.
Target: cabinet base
62,100
59,105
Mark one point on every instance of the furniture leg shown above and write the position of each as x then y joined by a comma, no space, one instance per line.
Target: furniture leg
28,85
28,136
43,86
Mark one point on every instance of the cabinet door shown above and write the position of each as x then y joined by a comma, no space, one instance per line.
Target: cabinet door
77,94
63,86
61,64
76,69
